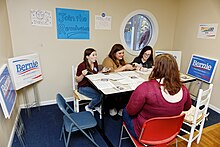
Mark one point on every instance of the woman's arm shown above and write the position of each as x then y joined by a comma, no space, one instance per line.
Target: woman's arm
136,101
81,76
125,67
188,103
81,73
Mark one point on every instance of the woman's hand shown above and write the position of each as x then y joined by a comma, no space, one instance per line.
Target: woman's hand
106,69
84,72
129,67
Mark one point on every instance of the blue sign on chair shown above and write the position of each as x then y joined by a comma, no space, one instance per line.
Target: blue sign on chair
72,24
202,68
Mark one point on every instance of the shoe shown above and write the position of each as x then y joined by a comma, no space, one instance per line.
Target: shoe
88,109
120,112
113,112
98,109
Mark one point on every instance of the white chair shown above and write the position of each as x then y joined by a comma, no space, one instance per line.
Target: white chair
195,117
80,99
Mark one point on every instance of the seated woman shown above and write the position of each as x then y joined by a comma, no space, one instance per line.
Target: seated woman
162,95
116,63
88,66
115,60
145,59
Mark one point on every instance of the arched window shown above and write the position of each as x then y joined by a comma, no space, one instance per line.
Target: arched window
138,29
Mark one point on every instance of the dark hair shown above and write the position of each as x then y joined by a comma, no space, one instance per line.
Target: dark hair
166,67
116,48
146,48
87,52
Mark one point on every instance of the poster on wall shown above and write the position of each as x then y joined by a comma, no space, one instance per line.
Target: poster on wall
176,55
103,22
72,24
41,18
7,92
25,70
202,68
207,31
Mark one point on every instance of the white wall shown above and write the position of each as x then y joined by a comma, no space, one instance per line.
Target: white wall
57,56
6,125
190,15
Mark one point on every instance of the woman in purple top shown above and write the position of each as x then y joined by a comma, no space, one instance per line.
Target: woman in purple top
162,95
88,66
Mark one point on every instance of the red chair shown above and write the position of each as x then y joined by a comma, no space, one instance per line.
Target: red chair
158,131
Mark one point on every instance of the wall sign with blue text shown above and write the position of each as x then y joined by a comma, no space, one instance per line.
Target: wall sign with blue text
7,92
72,24
202,68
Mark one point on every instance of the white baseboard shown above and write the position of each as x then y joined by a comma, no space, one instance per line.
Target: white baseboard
214,108
45,103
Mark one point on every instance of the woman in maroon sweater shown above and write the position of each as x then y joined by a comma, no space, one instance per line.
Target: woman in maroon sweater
162,95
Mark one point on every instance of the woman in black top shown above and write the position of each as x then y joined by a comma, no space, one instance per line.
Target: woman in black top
145,58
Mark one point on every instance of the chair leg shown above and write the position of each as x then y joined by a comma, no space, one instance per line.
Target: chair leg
90,138
62,130
68,139
76,105
100,115
176,142
122,130
200,131
191,135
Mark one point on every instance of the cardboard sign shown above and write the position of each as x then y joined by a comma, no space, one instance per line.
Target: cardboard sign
25,70
202,68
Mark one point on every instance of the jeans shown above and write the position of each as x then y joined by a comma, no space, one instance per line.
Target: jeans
129,123
93,94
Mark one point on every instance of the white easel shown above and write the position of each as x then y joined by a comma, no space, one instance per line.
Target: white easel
26,71
36,98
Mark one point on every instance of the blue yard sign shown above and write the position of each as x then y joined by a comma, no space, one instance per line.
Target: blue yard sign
72,24
202,68
7,92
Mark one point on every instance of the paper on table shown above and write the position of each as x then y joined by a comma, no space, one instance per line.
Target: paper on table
115,76
103,84
133,79
95,77
128,73
184,77
134,85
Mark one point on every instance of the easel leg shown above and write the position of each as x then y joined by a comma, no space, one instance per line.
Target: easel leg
24,92
36,95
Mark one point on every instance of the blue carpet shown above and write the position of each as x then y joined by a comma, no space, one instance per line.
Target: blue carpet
44,125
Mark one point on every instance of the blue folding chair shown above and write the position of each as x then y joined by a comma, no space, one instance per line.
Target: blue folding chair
73,121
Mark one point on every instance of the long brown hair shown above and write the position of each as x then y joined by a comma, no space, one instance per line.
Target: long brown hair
116,48
87,52
166,67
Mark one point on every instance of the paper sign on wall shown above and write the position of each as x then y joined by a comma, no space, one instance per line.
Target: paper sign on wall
207,31
41,18
103,22
25,70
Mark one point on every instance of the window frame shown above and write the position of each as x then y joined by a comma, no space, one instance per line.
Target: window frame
154,33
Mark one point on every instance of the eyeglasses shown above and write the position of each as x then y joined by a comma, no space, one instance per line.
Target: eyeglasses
147,54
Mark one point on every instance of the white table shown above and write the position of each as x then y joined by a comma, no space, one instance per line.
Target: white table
118,82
